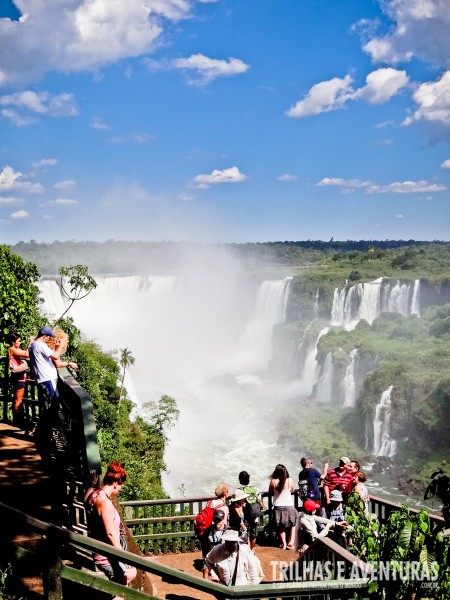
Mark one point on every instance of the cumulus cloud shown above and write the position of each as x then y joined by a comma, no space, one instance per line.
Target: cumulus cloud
287,177
27,104
14,180
231,175
433,100
201,69
420,28
7,200
324,97
69,186
63,202
19,214
45,162
80,35
404,187
446,164
382,85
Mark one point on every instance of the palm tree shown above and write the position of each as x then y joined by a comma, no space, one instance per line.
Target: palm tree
125,361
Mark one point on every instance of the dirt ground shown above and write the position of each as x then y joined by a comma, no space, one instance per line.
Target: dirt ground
192,563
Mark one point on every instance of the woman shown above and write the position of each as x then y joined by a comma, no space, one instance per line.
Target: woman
222,492
107,526
360,487
237,517
16,356
281,488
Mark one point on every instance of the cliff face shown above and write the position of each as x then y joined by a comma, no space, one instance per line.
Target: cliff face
349,345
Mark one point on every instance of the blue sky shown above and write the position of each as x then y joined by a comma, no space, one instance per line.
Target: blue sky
224,120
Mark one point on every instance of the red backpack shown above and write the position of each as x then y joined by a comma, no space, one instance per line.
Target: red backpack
204,518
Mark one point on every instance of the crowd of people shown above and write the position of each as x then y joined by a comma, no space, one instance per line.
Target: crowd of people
228,544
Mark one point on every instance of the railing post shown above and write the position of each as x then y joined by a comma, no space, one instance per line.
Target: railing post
51,572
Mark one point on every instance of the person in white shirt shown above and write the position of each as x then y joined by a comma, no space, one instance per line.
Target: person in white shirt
45,362
232,561
285,514
307,531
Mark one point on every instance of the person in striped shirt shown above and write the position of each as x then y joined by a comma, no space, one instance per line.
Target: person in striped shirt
340,478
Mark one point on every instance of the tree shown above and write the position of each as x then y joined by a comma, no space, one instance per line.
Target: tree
161,414
75,283
19,296
125,361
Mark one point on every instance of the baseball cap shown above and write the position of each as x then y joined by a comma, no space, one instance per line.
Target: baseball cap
345,460
218,516
310,505
46,330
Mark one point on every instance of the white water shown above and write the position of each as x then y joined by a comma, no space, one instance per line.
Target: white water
363,301
204,339
324,389
349,381
311,368
383,444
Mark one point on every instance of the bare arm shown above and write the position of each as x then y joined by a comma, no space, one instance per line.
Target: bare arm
18,352
325,471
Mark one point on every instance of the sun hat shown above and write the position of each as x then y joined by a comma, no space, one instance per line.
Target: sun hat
46,330
336,495
310,505
239,495
231,535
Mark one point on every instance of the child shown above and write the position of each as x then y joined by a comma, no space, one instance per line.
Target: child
252,507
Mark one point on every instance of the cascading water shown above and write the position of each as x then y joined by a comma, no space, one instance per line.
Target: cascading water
310,368
383,444
205,340
324,388
349,381
415,304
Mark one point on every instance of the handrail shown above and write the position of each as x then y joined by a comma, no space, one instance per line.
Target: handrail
57,539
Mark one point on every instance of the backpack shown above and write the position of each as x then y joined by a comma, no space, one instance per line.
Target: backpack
204,518
303,489
252,508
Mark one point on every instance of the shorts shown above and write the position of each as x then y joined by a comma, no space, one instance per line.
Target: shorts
116,573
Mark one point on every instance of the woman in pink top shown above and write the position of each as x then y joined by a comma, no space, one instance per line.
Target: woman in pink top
281,488
106,524
16,355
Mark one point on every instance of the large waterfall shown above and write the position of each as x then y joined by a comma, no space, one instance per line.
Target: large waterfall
204,339
383,444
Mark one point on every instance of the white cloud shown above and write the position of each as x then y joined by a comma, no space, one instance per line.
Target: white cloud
205,69
420,29
37,103
399,216
446,164
231,175
433,100
9,200
97,123
80,35
383,84
14,180
324,97
348,183
404,187
20,214
68,186
186,197
64,201
45,162
287,177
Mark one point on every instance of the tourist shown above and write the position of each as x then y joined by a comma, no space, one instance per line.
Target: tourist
338,478
336,513
106,524
232,562
361,489
252,507
18,372
307,531
45,362
310,478
237,519
222,492
285,515
213,536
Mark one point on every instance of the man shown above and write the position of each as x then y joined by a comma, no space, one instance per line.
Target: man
339,478
45,361
309,479
212,536
336,513
232,561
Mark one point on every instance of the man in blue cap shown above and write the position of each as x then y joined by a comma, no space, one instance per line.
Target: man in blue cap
45,362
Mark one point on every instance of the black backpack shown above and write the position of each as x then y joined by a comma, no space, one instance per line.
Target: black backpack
303,488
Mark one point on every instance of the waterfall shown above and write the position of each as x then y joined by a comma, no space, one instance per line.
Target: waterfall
324,389
415,304
383,444
310,369
349,381
367,300
316,305
203,338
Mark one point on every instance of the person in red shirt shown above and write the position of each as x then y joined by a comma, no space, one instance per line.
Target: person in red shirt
340,478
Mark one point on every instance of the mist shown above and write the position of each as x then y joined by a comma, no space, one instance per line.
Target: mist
202,336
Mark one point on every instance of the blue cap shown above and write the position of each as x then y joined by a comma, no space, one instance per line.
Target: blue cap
46,331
